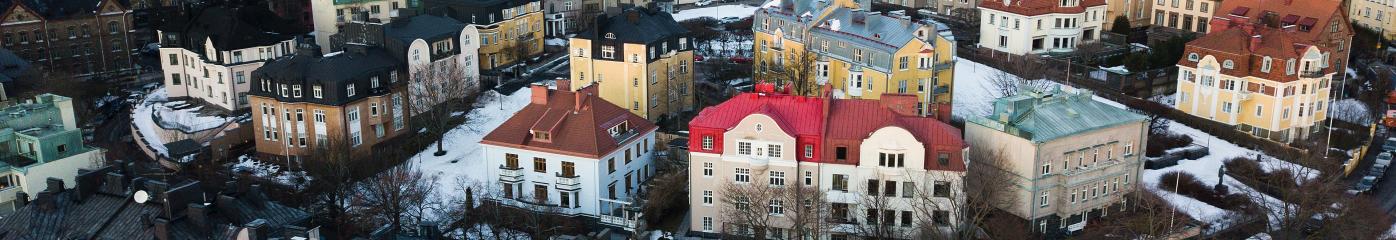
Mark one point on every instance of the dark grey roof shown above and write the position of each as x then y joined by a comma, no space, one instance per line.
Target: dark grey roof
183,147
334,71
101,207
476,12
426,27
230,27
636,25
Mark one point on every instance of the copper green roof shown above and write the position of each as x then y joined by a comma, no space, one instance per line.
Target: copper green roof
1047,115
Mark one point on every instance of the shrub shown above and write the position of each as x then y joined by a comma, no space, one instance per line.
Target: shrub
1161,143
1188,185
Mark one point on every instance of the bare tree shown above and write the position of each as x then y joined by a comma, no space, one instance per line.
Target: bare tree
1351,110
987,186
805,213
332,168
1026,75
438,90
399,192
740,219
798,71
1301,198
1149,218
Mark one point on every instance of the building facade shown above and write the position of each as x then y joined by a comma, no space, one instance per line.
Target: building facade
1136,11
81,37
353,99
41,141
1077,157
510,31
1322,23
1040,26
1184,15
424,43
1374,15
647,57
209,54
571,150
855,53
962,9
329,15
1265,82
784,144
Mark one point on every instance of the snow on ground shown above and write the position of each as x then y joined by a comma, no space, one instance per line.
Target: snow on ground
155,113
1352,111
974,92
718,12
1390,233
462,143
483,231
728,48
269,171
555,42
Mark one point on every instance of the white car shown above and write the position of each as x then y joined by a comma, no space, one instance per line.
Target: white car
703,3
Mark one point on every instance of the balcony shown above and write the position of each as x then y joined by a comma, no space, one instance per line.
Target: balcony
510,174
1311,74
568,183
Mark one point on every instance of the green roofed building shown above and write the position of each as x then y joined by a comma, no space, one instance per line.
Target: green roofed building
39,139
1073,158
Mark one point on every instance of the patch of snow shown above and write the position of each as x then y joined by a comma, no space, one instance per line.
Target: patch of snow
336,53
1351,72
974,90
484,231
771,3
1390,233
155,113
463,157
1116,69
1351,110
555,42
718,12
269,171
834,24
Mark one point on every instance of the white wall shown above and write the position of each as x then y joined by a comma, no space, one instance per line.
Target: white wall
1019,38
593,177
222,87
324,14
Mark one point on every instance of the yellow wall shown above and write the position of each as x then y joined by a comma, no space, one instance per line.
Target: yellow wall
630,85
1364,13
1271,118
503,38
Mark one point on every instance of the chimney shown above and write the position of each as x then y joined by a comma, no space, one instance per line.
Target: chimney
633,16
564,84
197,215
540,94
308,49
44,201
89,182
162,229
21,199
115,183
55,185
257,229
580,101
1255,42
860,16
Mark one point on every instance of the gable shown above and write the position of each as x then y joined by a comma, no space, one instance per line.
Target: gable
111,7
19,13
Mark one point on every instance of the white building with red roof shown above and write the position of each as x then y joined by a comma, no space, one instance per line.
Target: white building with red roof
571,153
866,167
1039,26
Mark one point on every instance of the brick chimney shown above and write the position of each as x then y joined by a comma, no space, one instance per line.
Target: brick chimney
21,199
197,214
563,84
540,94
55,185
162,229
1255,42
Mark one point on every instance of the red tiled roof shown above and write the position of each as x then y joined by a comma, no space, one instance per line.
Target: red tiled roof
1240,47
1038,7
843,122
797,115
1312,13
576,129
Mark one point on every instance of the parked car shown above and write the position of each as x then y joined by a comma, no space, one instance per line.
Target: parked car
704,3
1389,145
727,20
697,58
1364,185
745,60
1383,160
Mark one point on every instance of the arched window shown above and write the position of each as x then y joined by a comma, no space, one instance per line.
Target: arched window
610,36
1228,64
1192,57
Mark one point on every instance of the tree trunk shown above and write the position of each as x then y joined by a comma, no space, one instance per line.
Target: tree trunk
439,152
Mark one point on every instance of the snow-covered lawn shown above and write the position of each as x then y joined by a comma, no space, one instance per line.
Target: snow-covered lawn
462,143
555,42
155,115
718,12
269,171
1351,110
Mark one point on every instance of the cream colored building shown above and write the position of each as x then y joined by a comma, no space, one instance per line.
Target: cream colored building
1185,15
1076,158
640,59
1374,15
1265,82
329,15
1137,11
883,172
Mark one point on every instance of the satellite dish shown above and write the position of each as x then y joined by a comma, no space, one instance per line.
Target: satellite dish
141,196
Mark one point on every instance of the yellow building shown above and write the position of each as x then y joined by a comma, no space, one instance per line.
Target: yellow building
639,59
854,53
1374,15
1185,15
509,30
1266,82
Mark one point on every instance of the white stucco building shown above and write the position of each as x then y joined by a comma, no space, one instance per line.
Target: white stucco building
572,153
1039,26
329,15
210,55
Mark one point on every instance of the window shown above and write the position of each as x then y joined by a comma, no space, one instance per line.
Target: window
742,203
773,150
902,63
744,148
743,175
873,187
891,159
809,151
707,169
608,51
174,79
840,182
809,178
569,169
890,189
841,153
350,89
776,207
943,159
1042,200
1193,57
777,178
707,223
540,165
1129,149
942,189
317,91
611,165
708,197
1265,65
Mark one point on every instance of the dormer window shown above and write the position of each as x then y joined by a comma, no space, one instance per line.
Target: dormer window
542,136
1193,57
619,129
610,36
1265,65
1070,3
1228,64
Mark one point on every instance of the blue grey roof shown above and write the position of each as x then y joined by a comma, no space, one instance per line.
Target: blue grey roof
11,65
426,27
1047,115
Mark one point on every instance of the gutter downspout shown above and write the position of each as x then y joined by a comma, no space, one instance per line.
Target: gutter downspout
1032,211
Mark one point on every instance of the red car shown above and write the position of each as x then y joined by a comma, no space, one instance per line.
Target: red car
742,60
697,58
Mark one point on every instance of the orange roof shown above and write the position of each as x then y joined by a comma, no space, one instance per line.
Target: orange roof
1248,49
1312,15
575,129
1038,7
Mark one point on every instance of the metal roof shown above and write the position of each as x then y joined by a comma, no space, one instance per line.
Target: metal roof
1052,114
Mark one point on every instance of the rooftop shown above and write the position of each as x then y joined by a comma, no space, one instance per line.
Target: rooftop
636,25
577,123
231,27
1246,47
1052,114
426,27
1279,13
1038,7
60,9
